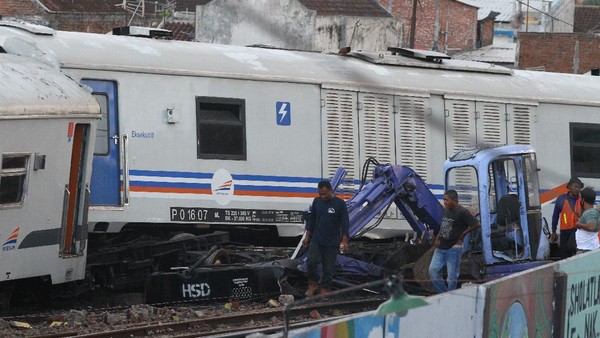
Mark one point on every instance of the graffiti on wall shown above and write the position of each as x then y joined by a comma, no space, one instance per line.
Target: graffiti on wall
521,306
365,326
582,301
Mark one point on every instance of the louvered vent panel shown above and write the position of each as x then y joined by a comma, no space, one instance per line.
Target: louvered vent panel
521,125
413,142
340,142
376,123
461,125
492,117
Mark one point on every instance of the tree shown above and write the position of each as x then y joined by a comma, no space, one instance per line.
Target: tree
591,2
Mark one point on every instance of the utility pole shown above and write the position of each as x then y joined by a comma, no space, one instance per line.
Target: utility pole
436,34
413,24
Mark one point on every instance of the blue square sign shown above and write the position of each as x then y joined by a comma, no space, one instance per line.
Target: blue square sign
283,112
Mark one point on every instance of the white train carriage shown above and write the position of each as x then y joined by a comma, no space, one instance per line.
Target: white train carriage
47,126
210,134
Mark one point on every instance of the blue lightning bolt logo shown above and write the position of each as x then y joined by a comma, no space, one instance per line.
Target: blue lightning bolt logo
283,112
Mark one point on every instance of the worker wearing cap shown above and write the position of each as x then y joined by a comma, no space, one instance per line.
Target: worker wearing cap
567,211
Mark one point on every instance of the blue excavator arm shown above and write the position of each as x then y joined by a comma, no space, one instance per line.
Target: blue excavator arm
400,185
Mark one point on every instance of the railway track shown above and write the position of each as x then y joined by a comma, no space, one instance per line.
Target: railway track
237,324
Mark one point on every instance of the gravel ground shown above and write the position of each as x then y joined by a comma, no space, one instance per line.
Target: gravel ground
83,321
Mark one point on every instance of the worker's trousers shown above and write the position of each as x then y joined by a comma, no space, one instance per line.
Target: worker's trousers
325,255
449,258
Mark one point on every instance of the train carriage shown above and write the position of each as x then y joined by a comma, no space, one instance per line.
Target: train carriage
203,134
47,129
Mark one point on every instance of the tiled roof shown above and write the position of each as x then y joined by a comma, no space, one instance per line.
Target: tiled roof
587,18
181,31
82,6
346,7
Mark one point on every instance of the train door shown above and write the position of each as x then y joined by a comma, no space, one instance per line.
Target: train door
76,198
105,184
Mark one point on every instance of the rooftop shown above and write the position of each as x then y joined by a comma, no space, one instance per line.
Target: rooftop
587,19
503,51
181,31
79,6
347,7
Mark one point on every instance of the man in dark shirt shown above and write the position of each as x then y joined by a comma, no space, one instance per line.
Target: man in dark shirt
326,231
457,222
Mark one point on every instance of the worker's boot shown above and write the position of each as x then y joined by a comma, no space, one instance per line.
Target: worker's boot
313,287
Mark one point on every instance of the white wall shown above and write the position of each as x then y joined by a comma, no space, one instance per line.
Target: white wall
288,24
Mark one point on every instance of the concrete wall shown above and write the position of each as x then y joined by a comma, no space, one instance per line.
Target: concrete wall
582,298
288,24
559,299
564,10
285,23
360,33
563,53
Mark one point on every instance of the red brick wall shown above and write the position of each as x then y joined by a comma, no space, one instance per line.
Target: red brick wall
555,51
459,26
460,34
486,32
19,8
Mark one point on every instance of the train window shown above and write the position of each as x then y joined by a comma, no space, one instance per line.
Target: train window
221,128
102,137
13,174
585,150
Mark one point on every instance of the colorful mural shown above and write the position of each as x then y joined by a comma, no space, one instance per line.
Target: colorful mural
369,326
521,306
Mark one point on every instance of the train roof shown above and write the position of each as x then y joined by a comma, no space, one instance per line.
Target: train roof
30,89
365,71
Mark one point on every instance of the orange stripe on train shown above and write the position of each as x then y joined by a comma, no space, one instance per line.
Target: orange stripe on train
551,194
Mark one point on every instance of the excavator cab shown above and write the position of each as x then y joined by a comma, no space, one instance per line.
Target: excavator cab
500,186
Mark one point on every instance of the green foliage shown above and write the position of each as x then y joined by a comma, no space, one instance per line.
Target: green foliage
591,2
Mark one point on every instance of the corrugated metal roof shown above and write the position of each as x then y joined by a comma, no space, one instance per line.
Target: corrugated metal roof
347,7
497,53
82,6
468,2
587,18
506,8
